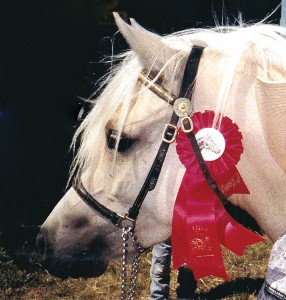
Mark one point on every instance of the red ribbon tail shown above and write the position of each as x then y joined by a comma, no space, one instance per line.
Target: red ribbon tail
234,236
195,240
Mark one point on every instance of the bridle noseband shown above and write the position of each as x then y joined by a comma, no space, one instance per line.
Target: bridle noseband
168,137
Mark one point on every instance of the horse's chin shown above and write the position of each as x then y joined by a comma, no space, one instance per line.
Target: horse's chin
76,267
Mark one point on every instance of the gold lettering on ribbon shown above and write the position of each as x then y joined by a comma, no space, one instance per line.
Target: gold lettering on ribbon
201,244
202,241
199,229
234,181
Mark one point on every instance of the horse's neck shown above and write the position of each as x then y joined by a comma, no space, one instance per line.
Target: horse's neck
212,69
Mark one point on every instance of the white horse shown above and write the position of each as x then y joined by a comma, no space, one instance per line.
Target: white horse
242,75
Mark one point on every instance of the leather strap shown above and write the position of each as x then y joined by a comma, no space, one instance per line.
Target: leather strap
155,170
107,213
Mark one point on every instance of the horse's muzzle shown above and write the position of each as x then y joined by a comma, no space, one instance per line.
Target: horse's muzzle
63,264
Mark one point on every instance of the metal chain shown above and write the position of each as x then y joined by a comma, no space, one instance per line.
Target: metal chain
124,262
126,232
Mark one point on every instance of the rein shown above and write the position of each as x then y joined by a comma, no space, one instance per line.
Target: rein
182,108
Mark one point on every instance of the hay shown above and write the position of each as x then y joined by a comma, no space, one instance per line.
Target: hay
246,275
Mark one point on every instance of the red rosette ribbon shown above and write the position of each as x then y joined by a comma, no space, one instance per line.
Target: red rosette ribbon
200,222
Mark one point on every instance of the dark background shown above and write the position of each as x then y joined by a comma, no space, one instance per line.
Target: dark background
50,54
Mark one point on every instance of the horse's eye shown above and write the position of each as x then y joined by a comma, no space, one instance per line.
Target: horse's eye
124,141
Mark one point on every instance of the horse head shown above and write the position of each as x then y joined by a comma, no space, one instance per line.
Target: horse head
208,143
121,135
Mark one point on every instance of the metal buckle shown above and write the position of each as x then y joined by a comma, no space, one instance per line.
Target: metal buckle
191,125
173,137
125,221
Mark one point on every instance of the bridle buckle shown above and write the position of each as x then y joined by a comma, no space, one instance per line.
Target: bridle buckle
170,133
125,221
187,124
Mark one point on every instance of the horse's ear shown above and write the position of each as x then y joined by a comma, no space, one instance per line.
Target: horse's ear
271,103
152,51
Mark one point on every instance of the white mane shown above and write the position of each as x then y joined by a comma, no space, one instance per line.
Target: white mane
266,45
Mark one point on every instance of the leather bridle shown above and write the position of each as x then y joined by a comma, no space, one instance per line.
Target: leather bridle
168,137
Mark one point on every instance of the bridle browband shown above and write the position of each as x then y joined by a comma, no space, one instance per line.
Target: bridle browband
168,137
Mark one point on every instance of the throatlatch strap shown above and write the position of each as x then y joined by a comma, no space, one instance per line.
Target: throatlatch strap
186,91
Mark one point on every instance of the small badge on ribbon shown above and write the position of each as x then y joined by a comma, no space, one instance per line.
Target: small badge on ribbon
200,222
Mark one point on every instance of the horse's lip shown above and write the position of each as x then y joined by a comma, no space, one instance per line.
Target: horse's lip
80,266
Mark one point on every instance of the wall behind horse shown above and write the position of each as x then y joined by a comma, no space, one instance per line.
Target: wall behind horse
48,57
169,16
44,55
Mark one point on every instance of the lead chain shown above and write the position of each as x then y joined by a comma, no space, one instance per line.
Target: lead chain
126,232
